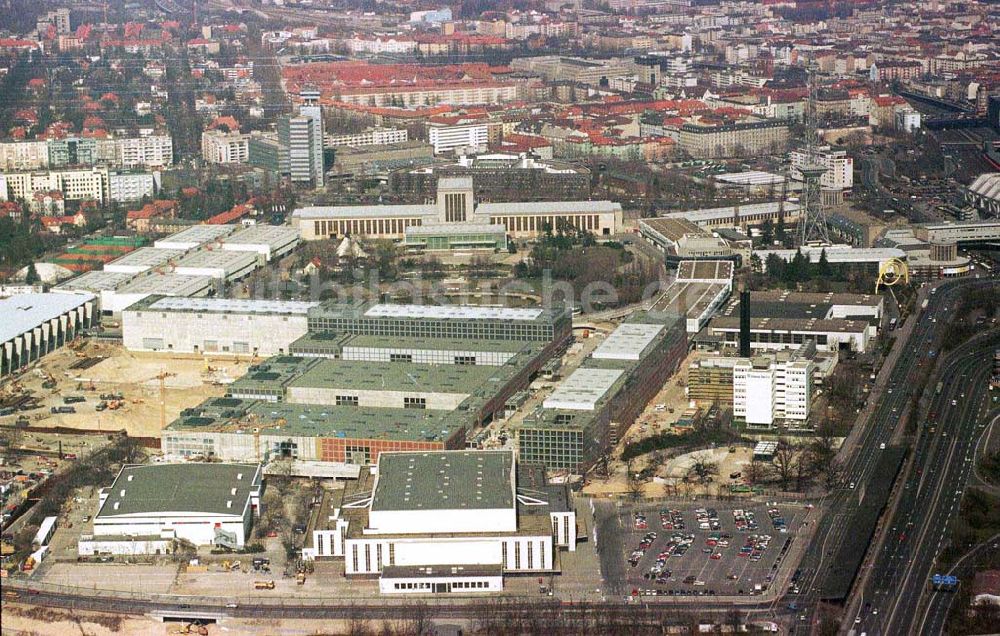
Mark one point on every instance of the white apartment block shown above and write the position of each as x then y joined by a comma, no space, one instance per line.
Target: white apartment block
153,151
767,389
459,94
76,185
222,147
380,45
460,137
131,186
24,155
839,173
370,137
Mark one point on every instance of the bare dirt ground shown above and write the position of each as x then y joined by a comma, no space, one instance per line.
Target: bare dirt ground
24,621
135,375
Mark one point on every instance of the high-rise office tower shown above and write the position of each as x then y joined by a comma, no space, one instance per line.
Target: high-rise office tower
301,139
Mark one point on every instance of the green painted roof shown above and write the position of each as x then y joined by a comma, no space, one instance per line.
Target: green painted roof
167,488
446,480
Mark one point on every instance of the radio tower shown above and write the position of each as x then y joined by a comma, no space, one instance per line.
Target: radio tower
812,226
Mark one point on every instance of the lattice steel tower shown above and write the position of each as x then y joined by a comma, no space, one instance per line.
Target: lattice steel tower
813,225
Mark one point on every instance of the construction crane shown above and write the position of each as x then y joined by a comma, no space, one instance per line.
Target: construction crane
163,375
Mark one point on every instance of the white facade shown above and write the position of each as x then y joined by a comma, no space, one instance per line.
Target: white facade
907,120
208,325
765,390
148,505
371,137
458,138
424,356
131,186
24,155
301,140
839,173
222,147
151,151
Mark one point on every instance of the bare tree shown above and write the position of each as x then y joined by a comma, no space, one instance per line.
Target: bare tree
703,469
784,461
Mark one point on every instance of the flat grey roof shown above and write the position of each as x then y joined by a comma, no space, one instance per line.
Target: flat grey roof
24,312
168,284
444,480
729,212
464,312
180,488
198,234
628,341
222,259
583,389
232,305
273,236
97,280
147,257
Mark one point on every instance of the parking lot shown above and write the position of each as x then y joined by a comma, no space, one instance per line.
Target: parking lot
709,549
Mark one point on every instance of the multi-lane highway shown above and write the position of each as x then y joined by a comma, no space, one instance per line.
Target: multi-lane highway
860,455
944,456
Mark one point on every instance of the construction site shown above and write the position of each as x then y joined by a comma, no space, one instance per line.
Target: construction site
95,387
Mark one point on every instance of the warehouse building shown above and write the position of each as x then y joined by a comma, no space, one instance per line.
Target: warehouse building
149,509
32,325
551,325
681,239
223,265
742,216
478,389
214,325
445,522
118,290
144,259
194,237
591,409
786,320
232,429
269,242
463,351
456,203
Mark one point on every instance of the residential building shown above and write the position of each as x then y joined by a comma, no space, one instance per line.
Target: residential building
839,174
458,138
370,137
218,146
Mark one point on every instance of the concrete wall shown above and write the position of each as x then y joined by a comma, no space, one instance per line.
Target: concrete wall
437,520
229,333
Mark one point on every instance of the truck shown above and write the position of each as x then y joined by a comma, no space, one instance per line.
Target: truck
923,305
263,585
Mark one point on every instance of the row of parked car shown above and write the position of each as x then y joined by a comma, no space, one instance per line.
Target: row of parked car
777,520
707,518
671,520
745,520
755,546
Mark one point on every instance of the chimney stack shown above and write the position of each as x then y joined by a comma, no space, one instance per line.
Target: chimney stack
745,323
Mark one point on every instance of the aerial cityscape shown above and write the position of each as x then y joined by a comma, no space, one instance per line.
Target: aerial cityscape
489,318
